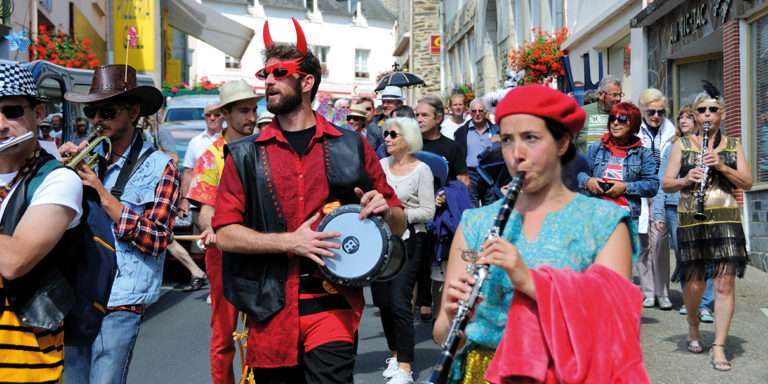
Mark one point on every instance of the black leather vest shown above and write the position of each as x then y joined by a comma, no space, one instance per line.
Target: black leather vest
42,297
256,285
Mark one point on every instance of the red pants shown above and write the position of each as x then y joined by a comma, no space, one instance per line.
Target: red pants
223,322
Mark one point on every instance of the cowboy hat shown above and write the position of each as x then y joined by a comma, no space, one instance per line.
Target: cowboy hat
234,91
357,110
110,81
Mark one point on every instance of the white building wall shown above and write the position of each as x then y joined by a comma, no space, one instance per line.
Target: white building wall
340,34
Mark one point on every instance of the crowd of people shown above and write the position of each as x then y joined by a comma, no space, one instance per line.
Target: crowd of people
610,189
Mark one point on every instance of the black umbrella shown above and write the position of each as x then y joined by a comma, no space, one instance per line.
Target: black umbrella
398,78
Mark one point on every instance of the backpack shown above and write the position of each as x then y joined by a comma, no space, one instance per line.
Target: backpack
94,273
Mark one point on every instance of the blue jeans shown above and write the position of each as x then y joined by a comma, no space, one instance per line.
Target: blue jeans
106,360
708,299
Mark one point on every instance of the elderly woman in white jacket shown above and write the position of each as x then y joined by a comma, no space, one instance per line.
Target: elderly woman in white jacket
413,183
653,266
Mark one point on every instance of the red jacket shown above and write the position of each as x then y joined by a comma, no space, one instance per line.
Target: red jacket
582,328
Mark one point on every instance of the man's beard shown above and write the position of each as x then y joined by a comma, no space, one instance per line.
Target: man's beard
286,102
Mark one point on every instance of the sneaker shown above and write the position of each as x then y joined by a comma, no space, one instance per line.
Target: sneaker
683,311
664,303
705,315
197,283
208,299
401,377
392,368
649,302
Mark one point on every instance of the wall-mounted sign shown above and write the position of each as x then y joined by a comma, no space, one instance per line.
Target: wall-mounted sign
697,15
434,44
139,14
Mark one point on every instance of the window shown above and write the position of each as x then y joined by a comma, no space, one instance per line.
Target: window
361,63
231,63
760,68
321,53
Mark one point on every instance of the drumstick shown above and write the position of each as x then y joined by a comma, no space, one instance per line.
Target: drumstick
187,237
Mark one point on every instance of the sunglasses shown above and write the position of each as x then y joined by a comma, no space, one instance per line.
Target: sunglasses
12,111
620,118
281,70
215,115
704,109
391,134
655,112
355,118
107,112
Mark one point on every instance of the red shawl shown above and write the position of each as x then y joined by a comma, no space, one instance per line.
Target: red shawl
582,328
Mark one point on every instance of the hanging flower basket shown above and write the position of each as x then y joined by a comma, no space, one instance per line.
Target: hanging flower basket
540,59
62,49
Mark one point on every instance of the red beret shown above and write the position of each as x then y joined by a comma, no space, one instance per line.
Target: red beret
544,102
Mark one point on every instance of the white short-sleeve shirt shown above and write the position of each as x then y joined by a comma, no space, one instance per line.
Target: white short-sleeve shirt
61,187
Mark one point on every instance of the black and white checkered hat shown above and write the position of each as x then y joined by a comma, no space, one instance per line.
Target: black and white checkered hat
16,80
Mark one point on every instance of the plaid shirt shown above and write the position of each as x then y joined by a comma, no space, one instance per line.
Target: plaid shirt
151,232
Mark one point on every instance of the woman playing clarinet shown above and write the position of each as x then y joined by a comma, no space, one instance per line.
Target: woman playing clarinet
550,226
709,234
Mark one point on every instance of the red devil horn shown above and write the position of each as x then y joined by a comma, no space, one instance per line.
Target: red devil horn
267,37
301,41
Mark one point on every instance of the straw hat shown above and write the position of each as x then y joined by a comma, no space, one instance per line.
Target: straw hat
357,110
234,91
265,117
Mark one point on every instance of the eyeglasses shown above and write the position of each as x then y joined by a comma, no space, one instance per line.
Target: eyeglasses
477,111
654,112
107,112
704,109
620,118
614,94
391,134
214,115
12,111
281,70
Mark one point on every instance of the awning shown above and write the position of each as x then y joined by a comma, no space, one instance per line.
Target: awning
206,24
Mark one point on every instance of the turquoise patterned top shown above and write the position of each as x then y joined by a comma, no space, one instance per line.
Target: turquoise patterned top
569,238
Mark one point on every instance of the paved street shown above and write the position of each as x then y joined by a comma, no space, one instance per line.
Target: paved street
172,345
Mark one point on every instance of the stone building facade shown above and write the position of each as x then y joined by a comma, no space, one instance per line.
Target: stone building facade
418,21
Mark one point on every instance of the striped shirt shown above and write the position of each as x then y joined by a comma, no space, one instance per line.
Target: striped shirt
28,355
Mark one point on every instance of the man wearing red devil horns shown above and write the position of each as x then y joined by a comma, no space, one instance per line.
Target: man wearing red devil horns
274,188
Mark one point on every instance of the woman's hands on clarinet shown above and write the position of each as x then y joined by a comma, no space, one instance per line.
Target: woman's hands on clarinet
499,252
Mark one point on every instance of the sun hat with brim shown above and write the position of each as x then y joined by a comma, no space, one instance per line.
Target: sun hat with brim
16,80
234,91
357,110
392,92
115,80
265,117
544,102
211,108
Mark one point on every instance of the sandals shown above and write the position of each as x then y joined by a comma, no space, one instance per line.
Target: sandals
694,346
719,365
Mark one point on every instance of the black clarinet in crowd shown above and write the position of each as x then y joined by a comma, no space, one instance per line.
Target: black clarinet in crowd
442,370
700,194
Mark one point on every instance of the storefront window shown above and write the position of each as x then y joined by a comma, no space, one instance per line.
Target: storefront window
689,77
760,66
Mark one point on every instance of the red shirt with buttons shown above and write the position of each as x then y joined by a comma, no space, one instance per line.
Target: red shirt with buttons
302,187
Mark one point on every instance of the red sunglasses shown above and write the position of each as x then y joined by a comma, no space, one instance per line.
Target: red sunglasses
281,70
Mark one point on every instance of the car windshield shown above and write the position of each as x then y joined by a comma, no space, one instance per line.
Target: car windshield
181,114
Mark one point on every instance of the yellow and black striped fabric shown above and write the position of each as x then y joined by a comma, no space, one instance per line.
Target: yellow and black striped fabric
28,355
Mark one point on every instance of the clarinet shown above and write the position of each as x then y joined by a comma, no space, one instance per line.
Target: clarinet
441,370
700,193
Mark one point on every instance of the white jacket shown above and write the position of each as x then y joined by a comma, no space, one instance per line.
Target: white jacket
656,144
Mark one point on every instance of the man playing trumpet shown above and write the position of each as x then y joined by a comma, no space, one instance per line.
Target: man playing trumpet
138,189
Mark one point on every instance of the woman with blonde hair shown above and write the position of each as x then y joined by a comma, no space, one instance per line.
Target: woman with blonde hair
412,181
715,244
653,267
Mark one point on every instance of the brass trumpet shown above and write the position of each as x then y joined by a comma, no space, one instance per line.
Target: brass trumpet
88,155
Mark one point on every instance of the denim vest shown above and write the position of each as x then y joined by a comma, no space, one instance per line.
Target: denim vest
640,175
138,275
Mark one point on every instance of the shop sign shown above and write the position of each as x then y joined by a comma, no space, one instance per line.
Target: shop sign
697,16
434,44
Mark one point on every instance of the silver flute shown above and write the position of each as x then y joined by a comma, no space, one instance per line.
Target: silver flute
16,141
442,369
700,193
